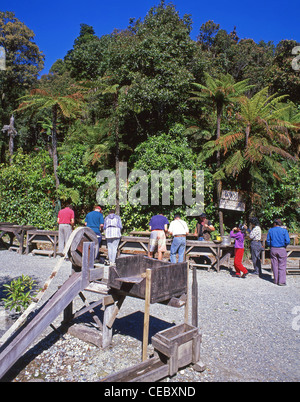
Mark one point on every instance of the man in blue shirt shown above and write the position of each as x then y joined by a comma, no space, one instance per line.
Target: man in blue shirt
95,221
277,239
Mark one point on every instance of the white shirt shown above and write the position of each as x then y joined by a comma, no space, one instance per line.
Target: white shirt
178,227
255,233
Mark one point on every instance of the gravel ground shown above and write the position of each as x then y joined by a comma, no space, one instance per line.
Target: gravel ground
250,330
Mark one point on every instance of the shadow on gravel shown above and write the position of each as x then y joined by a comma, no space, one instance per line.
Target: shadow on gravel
130,325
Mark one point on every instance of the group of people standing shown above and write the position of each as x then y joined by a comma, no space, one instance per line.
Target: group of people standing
112,225
277,238
178,229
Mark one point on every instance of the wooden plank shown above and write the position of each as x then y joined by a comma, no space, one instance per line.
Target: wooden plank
89,307
96,274
86,334
187,304
149,371
196,348
115,311
194,298
173,362
43,252
96,287
131,279
146,314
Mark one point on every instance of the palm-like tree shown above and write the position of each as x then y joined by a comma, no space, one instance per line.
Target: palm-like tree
259,146
67,106
219,93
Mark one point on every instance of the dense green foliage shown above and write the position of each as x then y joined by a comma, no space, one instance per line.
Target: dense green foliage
130,96
26,190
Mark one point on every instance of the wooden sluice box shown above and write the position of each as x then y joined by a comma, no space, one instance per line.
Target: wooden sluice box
129,278
174,348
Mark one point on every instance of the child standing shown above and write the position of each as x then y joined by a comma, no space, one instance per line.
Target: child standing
239,234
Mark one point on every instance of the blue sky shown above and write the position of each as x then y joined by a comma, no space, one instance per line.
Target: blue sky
56,23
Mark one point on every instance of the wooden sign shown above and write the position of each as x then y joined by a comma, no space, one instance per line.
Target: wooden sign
232,200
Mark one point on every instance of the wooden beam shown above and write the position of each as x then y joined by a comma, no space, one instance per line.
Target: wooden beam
195,298
146,314
115,311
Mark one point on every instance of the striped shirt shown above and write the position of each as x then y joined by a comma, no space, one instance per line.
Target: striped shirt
112,226
255,234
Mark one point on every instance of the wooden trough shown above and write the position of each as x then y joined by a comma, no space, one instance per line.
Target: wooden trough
129,278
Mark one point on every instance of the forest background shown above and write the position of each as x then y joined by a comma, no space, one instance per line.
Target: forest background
151,96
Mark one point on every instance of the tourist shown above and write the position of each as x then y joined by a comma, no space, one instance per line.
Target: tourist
277,239
112,227
94,220
65,220
239,234
179,230
203,228
255,246
158,226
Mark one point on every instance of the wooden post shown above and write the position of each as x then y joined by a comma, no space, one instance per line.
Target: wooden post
146,314
195,298
107,332
187,303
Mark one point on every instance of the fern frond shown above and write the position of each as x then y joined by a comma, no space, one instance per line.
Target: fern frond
229,140
234,164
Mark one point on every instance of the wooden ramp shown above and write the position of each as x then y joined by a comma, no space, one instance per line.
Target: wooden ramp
13,350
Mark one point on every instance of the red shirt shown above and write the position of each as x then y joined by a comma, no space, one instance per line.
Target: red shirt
65,215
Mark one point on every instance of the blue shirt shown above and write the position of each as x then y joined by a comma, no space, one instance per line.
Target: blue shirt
158,222
93,220
278,237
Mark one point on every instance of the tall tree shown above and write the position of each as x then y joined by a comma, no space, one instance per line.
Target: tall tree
154,57
68,106
254,152
88,58
281,77
23,63
219,93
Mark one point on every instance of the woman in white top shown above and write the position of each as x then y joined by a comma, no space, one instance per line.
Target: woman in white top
256,246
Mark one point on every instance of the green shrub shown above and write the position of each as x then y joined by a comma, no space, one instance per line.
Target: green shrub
19,293
27,190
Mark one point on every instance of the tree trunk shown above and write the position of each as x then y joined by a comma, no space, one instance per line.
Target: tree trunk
117,158
11,147
54,145
247,133
117,176
219,182
247,183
